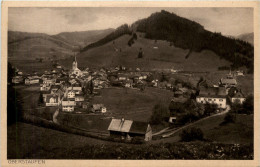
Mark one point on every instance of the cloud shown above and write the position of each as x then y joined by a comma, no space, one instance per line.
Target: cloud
228,21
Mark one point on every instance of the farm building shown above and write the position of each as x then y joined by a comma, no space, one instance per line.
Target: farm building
31,80
212,95
228,82
99,108
129,129
17,79
236,95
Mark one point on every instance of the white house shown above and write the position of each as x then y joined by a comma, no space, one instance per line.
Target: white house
122,77
99,108
31,80
49,81
68,106
238,97
71,94
213,95
79,98
52,100
44,87
17,79
239,73
76,89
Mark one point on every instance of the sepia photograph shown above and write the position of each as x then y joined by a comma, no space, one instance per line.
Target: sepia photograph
129,83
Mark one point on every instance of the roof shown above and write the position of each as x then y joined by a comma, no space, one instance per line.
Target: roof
46,92
228,81
97,106
55,86
139,127
68,103
238,95
120,125
179,100
212,92
51,96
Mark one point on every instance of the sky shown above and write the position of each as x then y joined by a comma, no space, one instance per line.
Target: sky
228,21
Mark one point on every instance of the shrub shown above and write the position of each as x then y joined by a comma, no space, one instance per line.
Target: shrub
248,105
191,134
229,118
160,114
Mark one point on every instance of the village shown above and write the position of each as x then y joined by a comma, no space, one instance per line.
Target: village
72,91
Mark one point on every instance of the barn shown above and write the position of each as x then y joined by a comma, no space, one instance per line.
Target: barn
129,129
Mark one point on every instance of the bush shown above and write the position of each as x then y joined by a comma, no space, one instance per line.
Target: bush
191,134
248,105
160,114
229,118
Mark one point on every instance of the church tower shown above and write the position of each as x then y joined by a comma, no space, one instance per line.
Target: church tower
74,64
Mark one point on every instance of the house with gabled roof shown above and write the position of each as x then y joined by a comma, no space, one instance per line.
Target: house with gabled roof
129,129
213,95
68,105
52,100
236,95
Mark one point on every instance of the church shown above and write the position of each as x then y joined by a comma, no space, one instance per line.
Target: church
75,69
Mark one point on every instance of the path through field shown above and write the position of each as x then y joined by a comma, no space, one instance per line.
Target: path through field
170,132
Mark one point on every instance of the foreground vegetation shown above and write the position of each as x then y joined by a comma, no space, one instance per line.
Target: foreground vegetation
69,146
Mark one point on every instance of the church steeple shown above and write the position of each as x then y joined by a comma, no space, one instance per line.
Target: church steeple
75,64
75,58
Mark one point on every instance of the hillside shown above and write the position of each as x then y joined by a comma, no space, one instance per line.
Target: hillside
248,37
188,36
83,38
157,54
23,45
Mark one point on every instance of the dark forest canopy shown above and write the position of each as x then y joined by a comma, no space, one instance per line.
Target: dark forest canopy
122,30
187,34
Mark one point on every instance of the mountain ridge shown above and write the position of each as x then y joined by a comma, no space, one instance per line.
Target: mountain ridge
187,34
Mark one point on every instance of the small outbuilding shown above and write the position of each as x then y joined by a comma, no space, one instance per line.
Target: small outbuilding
129,129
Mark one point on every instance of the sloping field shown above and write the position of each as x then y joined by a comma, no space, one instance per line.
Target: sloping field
132,103
29,141
157,54
38,48
240,132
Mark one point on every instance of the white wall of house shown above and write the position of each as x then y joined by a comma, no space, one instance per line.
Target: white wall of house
79,98
71,94
240,100
68,108
103,109
31,81
221,102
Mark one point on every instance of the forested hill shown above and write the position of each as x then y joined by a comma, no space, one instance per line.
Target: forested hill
187,34
122,30
191,35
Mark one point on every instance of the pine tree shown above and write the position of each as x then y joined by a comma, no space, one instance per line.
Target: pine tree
41,99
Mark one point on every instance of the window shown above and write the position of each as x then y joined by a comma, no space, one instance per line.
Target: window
209,99
220,99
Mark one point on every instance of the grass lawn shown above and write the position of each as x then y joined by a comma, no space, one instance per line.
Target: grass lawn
239,132
28,66
132,103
